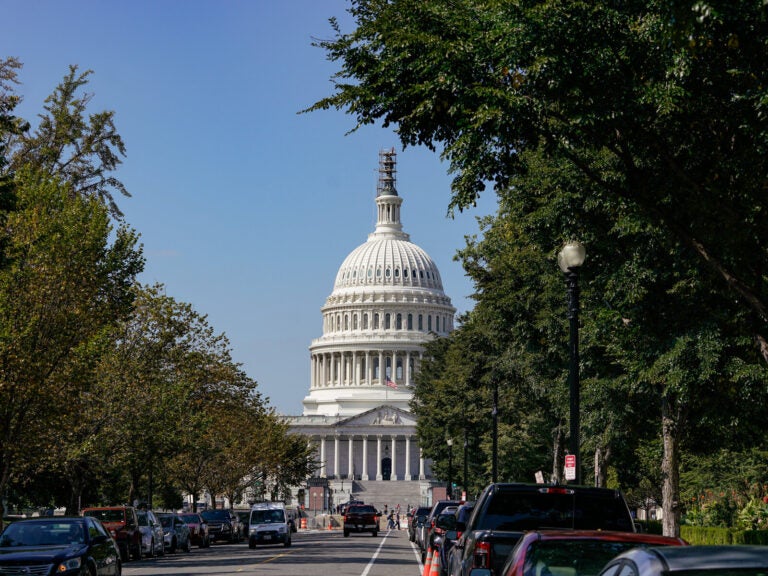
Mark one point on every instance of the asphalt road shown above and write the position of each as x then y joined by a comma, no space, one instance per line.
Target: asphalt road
313,553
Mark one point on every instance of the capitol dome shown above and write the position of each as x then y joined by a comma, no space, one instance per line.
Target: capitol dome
387,302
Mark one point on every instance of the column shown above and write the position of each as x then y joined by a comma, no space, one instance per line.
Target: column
364,475
408,368
407,458
382,368
368,368
421,465
378,457
394,458
336,455
322,457
351,461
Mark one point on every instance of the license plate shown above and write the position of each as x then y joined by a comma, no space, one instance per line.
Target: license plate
267,537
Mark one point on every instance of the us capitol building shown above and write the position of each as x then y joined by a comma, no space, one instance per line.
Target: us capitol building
387,302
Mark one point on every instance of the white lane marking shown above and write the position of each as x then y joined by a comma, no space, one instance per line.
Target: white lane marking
375,555
417,552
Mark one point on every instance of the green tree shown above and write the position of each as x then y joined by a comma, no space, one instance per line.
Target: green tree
82,151
67,279
660,105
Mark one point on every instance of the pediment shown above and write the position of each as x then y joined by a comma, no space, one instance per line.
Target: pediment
380,416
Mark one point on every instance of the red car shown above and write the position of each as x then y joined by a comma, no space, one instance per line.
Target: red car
572,553
123,525
198,529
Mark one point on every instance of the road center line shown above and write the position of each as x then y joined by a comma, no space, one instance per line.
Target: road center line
375,555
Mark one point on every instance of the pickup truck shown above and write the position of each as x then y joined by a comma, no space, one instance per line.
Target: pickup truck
361,518
504,511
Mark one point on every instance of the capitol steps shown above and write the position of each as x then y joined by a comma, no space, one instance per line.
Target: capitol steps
391,493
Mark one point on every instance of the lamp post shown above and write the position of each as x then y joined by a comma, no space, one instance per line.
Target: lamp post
466,446
449,492
495,442
570,258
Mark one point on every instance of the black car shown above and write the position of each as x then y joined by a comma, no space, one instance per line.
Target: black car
59,545
223,524
417,519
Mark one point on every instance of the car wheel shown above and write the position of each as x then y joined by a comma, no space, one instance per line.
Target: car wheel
118,568
124,556
375,533
346,533
287,543
186,546
136,553
172,548
251,544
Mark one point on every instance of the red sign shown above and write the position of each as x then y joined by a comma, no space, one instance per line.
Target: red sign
570,467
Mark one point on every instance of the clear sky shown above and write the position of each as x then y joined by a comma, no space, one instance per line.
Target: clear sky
245,208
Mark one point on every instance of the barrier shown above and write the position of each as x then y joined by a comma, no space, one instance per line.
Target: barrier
428,562
303,523
434,568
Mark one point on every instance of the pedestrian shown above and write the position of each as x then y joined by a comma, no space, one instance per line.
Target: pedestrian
397,518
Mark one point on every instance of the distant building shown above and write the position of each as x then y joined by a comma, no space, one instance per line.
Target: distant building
386,303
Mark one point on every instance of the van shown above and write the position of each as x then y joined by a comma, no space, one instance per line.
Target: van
269,524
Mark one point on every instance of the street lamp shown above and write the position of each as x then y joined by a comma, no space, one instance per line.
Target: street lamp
450,468
570,258
466,445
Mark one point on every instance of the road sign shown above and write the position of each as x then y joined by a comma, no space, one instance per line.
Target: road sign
570,467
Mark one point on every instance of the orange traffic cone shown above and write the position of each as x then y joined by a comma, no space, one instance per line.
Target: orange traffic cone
330,524
428,562
434,569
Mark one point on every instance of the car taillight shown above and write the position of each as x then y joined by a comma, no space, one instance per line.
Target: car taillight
482,557
555,491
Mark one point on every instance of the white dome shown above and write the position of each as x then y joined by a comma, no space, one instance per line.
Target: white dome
388,262
387,303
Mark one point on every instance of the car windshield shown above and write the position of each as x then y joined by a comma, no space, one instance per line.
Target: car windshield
190,518
59,533
574,558
216,515
267,516
516,511
106,515
361,510
143,519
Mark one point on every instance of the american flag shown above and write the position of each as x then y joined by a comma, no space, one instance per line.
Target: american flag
391,384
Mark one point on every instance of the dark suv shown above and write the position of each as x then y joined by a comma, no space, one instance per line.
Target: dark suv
361,518
223,525
123,524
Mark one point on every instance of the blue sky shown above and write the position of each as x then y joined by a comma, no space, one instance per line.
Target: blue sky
245,208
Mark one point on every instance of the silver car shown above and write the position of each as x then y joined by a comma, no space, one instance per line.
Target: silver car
151,534
175,532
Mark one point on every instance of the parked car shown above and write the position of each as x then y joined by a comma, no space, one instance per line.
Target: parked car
244,517
576,552
451,536
503,512
123,525
198,529
269,524
223,524
699,560
59,545
361,518
416,519
175,532
429,525
152,541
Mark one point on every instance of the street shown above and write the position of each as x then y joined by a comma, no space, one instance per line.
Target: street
313,553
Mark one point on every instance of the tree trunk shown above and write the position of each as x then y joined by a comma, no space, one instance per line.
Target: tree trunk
557,456
670,470
602,457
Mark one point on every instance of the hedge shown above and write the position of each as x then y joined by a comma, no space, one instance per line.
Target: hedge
705,535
